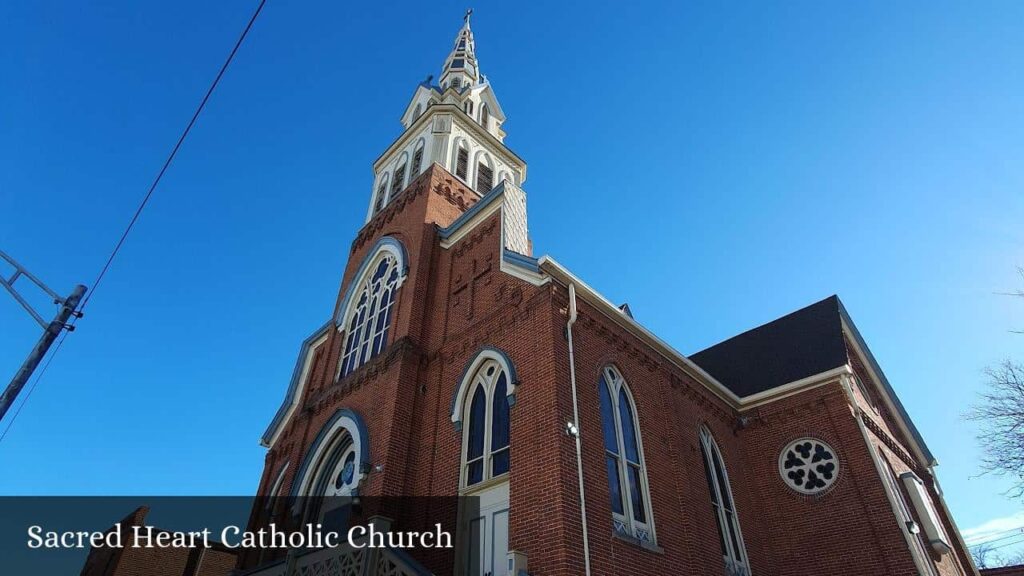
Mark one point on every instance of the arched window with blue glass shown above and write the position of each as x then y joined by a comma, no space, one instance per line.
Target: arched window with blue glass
624,458
369,304
484,417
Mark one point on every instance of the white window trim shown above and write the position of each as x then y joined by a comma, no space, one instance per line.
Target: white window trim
732,560
615,382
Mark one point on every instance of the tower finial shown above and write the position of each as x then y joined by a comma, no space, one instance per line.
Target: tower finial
469,12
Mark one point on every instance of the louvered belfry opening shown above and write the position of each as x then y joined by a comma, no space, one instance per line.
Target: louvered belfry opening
462,163
484,178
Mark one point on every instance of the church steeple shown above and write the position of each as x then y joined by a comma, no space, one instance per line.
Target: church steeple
456,123
461,70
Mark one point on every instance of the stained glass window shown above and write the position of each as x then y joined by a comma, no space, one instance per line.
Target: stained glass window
487,425
369,319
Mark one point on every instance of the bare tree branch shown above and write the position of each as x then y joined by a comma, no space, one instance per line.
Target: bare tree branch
985,556
1000,414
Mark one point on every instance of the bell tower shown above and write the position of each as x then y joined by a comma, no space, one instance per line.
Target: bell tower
456,123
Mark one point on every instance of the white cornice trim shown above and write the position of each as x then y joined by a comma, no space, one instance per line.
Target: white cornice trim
893,409
465,122
535,278
612,311
564,276
795,387
493,207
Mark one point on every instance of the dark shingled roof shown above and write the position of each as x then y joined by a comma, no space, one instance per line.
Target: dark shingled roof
801,344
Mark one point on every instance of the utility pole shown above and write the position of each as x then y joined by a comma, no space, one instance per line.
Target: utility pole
68,308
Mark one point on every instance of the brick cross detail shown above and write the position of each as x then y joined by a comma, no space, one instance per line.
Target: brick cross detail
468,286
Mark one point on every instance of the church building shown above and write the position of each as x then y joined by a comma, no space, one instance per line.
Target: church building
457,362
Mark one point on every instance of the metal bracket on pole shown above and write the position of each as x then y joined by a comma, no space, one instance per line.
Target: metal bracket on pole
68,308
20,271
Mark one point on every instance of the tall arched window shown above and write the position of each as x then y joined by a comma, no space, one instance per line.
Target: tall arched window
368,316
723,505
485,444
624,459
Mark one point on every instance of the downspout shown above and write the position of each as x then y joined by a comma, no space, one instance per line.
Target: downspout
574,427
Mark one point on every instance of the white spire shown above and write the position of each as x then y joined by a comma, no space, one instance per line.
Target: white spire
461,69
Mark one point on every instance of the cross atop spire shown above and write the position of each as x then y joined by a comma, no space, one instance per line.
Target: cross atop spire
460,68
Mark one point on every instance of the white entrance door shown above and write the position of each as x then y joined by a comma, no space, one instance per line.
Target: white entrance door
486,531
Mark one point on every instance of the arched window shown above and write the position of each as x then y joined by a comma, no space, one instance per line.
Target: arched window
723,506
337,460
485,116
337,474
335,465
368,314
417,160
416,113
398,179
462,160
485,444
624,459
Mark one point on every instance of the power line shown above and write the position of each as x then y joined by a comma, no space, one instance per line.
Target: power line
32,388
138,211
1016,532
174,152
1006,544
980,537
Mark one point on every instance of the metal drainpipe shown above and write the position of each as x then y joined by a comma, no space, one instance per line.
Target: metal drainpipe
576,424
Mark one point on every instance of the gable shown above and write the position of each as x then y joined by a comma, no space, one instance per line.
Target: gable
487,96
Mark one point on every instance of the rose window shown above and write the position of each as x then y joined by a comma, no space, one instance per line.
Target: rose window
808,466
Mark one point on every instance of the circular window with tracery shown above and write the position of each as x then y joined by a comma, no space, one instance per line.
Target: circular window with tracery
808,466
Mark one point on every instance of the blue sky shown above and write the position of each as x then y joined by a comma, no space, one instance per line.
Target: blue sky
714,167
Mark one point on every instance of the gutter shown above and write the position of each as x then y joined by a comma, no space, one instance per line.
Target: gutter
549,265
573,428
